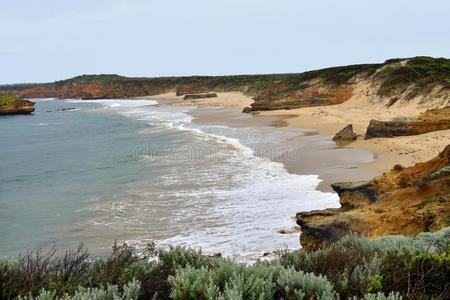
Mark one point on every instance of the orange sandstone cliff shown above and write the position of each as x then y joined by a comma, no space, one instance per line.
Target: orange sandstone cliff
402,201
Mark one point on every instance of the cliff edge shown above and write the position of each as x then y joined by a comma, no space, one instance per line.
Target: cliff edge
402,201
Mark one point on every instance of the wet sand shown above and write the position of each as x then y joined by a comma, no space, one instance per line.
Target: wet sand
317,153
310,152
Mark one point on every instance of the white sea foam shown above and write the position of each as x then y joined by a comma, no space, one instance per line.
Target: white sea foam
42,99
122,103
234,207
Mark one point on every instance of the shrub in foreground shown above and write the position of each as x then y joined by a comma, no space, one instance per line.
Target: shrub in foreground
392,267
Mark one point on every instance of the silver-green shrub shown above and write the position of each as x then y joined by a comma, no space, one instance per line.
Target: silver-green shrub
111,292
300,285
381,296
229,280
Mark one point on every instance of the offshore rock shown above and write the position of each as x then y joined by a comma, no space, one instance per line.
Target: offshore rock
12,105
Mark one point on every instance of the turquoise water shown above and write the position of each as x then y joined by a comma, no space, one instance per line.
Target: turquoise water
135,172
53,163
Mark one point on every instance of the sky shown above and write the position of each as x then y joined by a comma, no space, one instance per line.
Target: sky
48,40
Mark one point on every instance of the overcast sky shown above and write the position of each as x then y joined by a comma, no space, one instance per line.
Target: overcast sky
47,40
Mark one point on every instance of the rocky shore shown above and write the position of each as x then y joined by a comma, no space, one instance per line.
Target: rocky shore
12,105
405,200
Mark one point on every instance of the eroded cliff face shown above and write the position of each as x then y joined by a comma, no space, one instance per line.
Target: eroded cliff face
85,91
394,81
402,201
282,96
399,81
432,120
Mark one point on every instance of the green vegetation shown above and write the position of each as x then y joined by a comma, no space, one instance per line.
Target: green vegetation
421,74
391,267
415,76
8,99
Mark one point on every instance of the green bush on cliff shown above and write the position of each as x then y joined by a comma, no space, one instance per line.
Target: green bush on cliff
421,74
8,99
390,267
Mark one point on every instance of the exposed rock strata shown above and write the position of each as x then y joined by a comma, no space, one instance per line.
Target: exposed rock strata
433,120
402,201
15,106
394,81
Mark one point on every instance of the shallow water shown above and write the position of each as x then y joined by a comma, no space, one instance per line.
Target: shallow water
120,170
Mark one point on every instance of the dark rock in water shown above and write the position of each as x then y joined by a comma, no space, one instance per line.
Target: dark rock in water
199,96
346,134
65,109
247,110
62,109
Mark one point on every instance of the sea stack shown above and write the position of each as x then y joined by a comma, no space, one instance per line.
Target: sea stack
12,105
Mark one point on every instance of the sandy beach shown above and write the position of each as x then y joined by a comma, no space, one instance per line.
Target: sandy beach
326,121
230,100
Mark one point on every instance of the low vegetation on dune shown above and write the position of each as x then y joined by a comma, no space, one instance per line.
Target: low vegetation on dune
414,76
391,267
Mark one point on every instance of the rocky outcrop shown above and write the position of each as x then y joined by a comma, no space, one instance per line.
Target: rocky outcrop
378,129
402,201
12,105
282,96
346,134
247,109
199,96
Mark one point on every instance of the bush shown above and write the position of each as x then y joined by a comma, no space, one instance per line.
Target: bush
390,267
228,280
111,292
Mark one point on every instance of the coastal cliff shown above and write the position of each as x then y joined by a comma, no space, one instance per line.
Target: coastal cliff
12,105
402,201
396,81
424,79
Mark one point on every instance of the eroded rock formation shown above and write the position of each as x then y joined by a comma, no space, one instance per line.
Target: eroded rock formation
432,120
12,105
346,134
402,201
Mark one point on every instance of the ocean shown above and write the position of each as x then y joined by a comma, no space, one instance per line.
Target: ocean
94,172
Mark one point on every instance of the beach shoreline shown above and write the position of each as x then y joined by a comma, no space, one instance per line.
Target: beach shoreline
314,152
327,121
